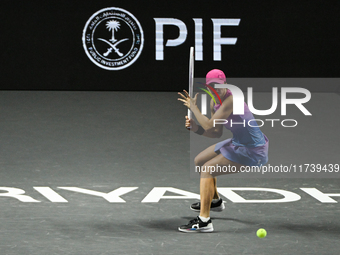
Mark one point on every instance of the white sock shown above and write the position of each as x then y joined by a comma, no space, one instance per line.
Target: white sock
215,200
204,219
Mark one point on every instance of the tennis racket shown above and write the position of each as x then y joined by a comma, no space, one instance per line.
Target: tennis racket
191,76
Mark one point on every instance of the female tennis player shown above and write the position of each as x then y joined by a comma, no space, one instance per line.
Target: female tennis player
247,147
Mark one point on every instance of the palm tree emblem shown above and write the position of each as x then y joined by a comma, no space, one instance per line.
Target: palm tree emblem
113,26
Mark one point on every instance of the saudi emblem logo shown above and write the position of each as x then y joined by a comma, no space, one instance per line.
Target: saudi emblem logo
113,38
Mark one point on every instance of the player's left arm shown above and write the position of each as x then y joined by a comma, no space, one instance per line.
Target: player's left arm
222,113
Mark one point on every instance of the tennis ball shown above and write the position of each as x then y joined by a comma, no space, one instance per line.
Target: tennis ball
261,233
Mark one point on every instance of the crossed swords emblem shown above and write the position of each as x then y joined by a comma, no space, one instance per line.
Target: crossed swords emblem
113,47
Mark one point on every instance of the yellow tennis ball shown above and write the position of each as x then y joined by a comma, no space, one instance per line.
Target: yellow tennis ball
261,233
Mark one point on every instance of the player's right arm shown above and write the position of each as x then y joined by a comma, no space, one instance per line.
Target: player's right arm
216,132
208,129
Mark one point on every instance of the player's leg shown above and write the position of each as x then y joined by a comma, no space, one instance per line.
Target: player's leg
207,188
205,156
216,196
200,160
203,222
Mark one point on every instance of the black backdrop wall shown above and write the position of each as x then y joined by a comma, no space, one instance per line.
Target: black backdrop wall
42,47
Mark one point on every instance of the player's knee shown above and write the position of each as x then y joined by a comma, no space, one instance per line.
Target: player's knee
207,171
199,161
